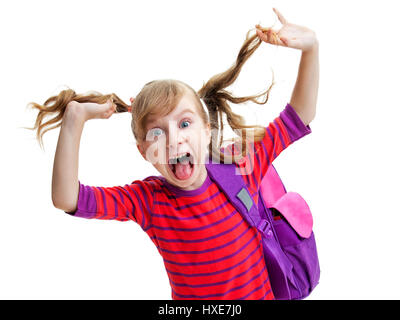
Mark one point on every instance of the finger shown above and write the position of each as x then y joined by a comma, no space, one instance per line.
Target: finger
109,102
274,37
280,16
284,41
266,30
269,36
262,35
265,36
112,107
278,40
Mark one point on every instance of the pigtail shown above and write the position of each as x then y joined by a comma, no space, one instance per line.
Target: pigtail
54,107
216,97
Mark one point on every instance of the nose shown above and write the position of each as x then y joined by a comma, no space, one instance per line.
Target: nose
175,138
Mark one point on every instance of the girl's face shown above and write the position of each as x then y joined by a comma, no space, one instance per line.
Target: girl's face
177,145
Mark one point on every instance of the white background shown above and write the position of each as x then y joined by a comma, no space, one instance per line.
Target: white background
347,168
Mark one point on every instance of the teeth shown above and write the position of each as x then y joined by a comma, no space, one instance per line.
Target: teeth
182,159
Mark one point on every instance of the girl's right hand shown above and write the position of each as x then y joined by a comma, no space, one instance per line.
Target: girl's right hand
91,110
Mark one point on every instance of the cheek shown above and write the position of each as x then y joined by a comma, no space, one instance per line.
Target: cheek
201,140
155,151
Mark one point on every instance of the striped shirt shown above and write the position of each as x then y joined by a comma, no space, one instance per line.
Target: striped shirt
209,250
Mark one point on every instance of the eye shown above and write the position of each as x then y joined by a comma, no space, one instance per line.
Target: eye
185,123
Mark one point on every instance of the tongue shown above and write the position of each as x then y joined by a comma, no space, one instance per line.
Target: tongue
183,170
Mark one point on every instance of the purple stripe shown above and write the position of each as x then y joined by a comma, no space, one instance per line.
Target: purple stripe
191,217
140,205
266,153
259,170
269,290
166,193
294,125
207,250
273,142
155,179
123,202
212,261
127,213
103,196
146,199
199,240
215,272
196,229
219,294
280,134
187,205
220,282
115,206
255,289
246,179
120,195
253,165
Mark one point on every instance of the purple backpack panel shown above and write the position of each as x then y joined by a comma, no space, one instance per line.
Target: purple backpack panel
289,245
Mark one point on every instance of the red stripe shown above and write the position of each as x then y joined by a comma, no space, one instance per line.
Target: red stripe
284,132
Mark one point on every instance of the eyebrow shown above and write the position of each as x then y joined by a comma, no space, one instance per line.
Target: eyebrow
151,121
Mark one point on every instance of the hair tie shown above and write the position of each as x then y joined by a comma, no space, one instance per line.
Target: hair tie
131,99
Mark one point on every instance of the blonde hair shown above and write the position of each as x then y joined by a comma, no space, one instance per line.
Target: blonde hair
160,97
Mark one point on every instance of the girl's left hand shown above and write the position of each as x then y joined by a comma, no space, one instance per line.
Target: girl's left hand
290,35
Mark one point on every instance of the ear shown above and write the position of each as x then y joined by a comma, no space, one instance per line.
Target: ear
208,131
141,150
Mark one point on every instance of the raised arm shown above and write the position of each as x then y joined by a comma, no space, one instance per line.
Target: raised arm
129,202
305,92
65,184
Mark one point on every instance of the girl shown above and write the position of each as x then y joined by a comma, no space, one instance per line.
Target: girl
209,251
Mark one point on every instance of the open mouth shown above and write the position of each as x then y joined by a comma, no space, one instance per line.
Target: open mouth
182,166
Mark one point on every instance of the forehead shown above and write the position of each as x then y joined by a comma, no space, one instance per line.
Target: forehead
185,105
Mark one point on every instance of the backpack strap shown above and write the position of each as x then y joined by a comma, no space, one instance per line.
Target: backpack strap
232,184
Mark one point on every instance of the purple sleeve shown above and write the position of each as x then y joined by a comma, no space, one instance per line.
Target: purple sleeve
123,203
295,127
279,134
86,207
